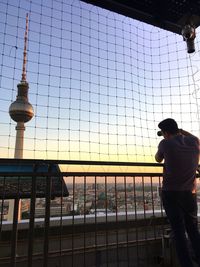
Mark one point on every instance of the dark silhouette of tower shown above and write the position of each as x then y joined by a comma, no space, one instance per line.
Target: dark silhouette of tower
21,110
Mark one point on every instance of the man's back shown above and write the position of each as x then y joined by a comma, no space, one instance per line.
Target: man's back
181,154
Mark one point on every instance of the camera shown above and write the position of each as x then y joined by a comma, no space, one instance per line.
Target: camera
159,133
189,34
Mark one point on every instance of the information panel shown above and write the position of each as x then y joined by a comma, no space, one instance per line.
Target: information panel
20,185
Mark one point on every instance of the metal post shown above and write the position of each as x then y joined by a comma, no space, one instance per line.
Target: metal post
14,233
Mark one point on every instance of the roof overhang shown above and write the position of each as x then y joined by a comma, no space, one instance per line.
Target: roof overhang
170,15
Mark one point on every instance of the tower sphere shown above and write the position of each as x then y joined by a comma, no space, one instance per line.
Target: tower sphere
21,110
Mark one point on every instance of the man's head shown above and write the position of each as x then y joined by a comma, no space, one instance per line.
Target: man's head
168,127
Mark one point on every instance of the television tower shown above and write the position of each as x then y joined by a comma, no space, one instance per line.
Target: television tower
21,110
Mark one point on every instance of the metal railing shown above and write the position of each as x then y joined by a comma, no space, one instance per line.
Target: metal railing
80,213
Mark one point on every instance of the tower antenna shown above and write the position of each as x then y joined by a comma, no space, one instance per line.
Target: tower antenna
25,51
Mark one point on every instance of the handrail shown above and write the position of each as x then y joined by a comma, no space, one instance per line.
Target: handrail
80,162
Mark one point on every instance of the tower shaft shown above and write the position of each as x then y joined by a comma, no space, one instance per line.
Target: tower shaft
19,142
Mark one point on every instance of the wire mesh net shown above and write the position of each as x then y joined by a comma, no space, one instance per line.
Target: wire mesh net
99,82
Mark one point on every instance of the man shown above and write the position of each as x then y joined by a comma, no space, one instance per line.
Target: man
180,151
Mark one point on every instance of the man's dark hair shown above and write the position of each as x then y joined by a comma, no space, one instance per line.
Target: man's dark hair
169,125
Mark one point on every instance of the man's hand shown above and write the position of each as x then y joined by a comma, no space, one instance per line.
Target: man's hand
183,132
158,158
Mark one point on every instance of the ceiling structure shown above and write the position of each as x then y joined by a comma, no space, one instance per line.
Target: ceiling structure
171,15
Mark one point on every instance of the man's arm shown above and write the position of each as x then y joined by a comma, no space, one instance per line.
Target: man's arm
158,157
183,132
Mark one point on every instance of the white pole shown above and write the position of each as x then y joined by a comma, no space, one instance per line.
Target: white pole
19,145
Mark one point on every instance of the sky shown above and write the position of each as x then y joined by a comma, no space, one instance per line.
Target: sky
99,82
